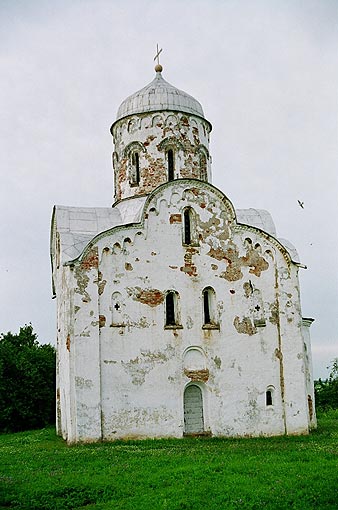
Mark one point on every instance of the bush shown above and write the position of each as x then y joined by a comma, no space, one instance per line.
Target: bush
27,382
326,392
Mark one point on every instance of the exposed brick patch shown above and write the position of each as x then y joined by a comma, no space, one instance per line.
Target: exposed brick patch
197,375
195,191
310,406
235,263
232,273
91,259
245,326
100,283
279,354
148,140
102,321
274,317
255,261
248,289
189,268
175,218
150,297
101,287
217,253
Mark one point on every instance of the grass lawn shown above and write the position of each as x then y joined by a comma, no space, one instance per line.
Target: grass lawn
39,471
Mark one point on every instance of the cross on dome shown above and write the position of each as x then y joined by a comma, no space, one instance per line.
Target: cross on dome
158,67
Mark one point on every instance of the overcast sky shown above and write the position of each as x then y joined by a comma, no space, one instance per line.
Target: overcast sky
266,74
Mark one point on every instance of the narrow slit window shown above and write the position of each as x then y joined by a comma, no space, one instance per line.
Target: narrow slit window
170,309
187,226
170,156
206,306
135,168
209,309
268,396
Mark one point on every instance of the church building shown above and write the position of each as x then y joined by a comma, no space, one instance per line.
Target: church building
176,313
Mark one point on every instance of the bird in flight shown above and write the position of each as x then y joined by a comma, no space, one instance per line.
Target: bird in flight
301,204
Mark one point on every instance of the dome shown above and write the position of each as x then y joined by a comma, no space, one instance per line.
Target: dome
159,95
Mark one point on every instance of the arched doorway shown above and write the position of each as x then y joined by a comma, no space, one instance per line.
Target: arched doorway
193,410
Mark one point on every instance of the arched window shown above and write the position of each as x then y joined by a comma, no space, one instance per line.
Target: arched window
209,309
187,226
170,315
268,397
189,231
170,157
135,169
206,306
132,152
172,318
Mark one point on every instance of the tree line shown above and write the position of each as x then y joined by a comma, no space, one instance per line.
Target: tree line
27,381
326,391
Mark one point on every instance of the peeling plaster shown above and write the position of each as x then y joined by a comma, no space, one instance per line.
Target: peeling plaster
150,297
244,326
140,366
197,375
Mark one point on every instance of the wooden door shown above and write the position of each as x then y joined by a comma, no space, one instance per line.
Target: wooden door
193,410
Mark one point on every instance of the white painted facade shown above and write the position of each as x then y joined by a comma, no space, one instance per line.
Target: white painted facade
176,314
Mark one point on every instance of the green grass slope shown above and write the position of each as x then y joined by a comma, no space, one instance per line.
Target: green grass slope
39,471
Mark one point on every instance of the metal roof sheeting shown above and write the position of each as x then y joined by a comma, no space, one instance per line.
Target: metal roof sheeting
159,95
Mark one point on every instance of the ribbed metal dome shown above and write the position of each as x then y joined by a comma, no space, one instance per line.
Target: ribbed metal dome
159,95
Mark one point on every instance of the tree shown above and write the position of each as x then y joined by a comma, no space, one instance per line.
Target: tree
326,392
27,381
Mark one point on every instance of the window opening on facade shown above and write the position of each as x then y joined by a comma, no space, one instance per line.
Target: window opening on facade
187,226
170,309
170,156
206,306
135,171
209,309
268,397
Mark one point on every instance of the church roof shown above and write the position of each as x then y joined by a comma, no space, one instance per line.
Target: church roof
257,218
78,225
159,95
